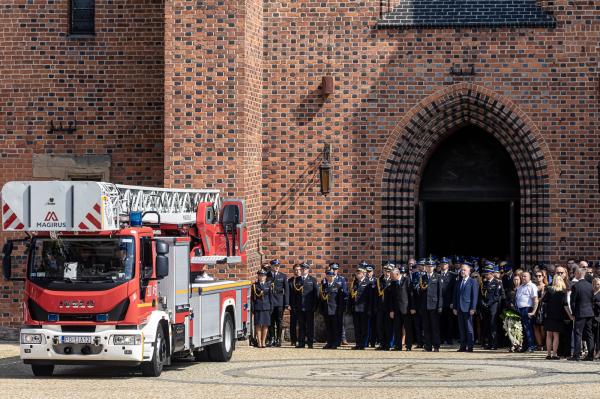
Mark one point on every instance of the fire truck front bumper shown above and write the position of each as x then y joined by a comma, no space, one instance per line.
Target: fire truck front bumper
43,346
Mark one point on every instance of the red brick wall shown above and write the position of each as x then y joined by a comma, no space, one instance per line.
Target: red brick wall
111,84
213,120
381,75
242,111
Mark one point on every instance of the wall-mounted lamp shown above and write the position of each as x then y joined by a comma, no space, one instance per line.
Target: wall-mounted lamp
326,86
325,170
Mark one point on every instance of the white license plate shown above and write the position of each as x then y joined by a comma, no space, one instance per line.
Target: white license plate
75,339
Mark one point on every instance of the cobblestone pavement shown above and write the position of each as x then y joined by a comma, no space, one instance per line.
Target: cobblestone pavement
316,373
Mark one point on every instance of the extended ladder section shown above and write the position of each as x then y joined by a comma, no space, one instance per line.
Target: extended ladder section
95,206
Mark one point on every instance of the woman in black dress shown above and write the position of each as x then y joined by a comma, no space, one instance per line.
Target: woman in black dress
262,306
555,300
596,321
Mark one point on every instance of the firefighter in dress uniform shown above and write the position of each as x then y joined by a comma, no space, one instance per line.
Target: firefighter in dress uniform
331,305
430,305
280,302
262,305
372,339
293,305
382,318
341,280
306,288
360,306
418,316
398,304
492,294
447,320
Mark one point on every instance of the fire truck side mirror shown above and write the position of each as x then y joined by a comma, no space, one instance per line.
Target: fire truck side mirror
162,248
6,260
162,266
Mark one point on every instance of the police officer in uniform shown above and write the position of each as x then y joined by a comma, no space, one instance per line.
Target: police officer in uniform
293,300
262,305
492,293
307,289
360,306
331,305
382,318
430,305
280,302
398,304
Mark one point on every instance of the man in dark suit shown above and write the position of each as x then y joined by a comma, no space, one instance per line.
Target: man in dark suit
280,302
398,302
464,305
430,306
582,297
360,305
308,289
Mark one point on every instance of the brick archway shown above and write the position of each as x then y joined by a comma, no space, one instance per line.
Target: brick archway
418,136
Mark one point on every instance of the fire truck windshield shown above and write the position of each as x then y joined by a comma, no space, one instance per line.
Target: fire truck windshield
82,260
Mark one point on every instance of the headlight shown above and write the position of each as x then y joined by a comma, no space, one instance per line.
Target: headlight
31,338
127,339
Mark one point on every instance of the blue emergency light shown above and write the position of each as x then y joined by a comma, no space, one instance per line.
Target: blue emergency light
135,219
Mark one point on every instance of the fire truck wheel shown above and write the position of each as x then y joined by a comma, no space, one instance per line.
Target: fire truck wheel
42,370
222,351
154,367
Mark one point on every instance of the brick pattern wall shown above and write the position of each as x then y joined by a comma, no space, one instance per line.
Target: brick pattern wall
464,13
385,79
213,120
110,84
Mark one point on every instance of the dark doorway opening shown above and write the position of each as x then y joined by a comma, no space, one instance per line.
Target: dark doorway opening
469,228
468,199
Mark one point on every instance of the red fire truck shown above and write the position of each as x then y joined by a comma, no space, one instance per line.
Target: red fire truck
116,274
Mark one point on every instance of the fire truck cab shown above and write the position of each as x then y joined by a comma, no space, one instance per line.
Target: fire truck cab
111,274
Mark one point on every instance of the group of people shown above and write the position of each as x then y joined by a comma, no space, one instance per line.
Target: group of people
431,302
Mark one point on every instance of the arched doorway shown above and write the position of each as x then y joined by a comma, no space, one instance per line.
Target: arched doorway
469,198
418,136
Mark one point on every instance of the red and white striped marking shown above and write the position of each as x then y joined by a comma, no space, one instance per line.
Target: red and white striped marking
10,221
92,219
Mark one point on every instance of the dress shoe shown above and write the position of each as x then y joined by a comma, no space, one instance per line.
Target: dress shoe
310,346
588,359
436,349
461,350
574,359
298,345
469,349
326,347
